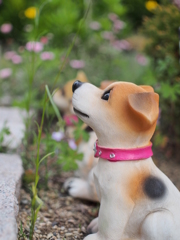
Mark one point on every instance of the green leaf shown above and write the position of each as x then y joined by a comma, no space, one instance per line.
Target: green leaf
47,155
54,106
40,203
37,125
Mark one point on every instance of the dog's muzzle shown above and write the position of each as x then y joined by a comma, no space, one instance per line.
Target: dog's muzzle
76,85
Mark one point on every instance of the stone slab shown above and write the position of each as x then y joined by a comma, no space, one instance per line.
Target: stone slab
14,118
11,171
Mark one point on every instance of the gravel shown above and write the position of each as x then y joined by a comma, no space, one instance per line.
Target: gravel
63,217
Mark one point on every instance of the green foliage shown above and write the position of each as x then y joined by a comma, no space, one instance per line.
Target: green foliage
21,233
79,133
136,10
65,156
68,157
162,31
12,12
61,122
59,19
3,133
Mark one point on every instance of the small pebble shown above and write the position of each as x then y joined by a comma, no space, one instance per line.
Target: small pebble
54,223
68,234
24,201
49,235
83,229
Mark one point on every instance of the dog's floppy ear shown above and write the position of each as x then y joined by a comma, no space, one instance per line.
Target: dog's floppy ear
147,88
145,107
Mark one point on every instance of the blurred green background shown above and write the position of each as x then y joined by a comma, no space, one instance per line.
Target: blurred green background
121,40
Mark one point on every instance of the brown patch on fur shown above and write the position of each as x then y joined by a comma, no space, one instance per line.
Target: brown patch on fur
136,183
145,107
147,88
124,114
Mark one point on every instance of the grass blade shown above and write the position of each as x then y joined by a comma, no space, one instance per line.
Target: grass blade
53,104
47,155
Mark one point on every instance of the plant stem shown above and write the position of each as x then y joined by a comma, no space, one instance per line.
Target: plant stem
33,202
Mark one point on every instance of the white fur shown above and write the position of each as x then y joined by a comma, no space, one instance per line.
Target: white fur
82,186
121,218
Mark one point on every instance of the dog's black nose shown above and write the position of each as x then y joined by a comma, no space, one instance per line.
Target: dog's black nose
76,85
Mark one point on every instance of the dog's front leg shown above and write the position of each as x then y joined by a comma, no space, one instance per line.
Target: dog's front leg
113,216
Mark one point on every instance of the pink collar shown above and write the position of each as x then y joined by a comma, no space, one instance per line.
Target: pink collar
116,154
70,120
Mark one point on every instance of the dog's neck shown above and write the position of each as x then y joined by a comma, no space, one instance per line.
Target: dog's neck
119,154
124,142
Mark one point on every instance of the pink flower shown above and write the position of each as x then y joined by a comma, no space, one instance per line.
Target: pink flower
72,144
95,25
77,64
44,40
57,136
5,73
121,45
107,35
0,1
177,3
6,28
142,60
118,25
47,55
16,59
8,55
34,46
113,17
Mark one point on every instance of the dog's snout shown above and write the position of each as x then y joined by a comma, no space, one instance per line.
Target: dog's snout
76,85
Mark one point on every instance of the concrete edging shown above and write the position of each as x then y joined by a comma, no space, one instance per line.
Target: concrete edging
11,171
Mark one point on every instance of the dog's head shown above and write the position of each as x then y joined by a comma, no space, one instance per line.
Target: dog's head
123,115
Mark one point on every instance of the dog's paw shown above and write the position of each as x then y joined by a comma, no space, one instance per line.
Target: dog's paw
93,226
67,183
93,237
77,188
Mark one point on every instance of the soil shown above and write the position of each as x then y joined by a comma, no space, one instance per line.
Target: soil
63,217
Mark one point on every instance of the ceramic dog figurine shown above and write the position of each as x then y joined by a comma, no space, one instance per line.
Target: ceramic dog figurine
82,185
137,201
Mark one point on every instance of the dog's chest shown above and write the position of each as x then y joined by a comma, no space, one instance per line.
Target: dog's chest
137,181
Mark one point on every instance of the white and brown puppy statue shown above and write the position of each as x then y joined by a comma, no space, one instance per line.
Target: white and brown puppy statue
82,184
137,201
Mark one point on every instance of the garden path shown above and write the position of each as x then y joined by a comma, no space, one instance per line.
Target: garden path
10,181
12,129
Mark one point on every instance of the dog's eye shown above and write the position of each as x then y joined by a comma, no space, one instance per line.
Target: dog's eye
105,96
